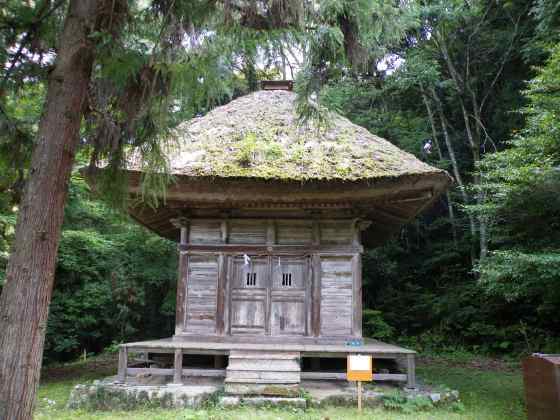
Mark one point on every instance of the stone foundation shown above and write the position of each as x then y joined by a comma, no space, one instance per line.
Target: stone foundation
110,395
198,392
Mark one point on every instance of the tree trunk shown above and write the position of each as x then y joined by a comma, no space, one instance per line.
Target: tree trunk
30,273
455,167
464,86
440,155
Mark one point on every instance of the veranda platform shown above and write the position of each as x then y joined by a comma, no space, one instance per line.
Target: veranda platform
184,346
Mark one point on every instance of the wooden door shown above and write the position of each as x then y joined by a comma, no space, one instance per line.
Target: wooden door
289,295
250,283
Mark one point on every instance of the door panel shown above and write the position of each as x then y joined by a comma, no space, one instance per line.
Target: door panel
249,295
248,311
269,295
289,295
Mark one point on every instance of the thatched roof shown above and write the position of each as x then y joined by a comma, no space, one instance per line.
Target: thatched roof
251,158
258,136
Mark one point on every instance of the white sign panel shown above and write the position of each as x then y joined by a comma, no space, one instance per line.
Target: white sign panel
359,362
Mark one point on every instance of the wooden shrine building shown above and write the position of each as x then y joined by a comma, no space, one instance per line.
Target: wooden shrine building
271,218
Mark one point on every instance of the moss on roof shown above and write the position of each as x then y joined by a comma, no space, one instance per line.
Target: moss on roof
258,136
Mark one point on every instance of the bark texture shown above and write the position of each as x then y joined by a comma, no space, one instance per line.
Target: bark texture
30,273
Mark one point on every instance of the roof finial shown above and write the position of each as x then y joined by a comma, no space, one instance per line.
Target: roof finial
277,84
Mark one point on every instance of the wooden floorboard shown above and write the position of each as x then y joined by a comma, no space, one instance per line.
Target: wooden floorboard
374,347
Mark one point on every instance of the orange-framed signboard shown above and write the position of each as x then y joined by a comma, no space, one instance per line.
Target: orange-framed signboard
359,367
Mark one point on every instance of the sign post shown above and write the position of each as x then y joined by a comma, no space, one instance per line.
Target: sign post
359,368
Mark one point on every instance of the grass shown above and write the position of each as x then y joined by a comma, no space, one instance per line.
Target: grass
489,390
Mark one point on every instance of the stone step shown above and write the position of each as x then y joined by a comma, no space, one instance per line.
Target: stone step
264,365
259,355
254,367
262,376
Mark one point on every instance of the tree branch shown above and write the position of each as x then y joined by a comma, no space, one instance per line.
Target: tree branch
502,65
34,27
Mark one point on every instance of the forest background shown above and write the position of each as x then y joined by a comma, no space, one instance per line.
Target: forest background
472,87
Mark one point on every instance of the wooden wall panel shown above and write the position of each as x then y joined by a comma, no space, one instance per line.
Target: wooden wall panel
294,232
248,231
205,232
202,296
290,292
336,296
336,232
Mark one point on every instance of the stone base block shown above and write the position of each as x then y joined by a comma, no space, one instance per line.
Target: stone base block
269,390
262,401
112,396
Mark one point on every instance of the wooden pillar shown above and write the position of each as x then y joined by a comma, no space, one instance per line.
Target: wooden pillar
357,296
316,277
123,364
316,296
178,367
183,224
410,371
359,226
221,294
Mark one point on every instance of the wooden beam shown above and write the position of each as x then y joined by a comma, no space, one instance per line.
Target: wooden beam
178,367
422,196
342,376
221,373
226,190
263,249
214,373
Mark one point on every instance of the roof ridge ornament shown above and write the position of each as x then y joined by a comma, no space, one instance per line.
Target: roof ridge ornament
277,85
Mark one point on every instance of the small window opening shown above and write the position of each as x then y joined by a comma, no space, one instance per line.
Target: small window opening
251,279
286,279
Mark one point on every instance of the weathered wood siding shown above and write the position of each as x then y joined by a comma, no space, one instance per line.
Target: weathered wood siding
314,291
336,296
201,302
247,231
257,231
294,232
205,232
336,232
